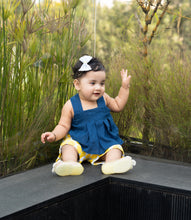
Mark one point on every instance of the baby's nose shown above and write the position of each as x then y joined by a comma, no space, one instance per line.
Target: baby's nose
98,86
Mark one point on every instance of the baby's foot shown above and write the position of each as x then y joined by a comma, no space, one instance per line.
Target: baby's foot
62,168
118,166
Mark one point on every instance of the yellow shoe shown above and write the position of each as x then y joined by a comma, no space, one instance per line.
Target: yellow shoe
62,168
118,166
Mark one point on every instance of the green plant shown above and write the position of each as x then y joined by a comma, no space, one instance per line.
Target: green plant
169,103
38,45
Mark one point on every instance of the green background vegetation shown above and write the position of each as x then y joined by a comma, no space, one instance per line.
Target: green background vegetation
40,42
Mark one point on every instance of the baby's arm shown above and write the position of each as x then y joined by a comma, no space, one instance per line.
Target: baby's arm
118,103
63,126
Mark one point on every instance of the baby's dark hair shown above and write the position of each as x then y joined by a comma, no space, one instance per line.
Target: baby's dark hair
94,63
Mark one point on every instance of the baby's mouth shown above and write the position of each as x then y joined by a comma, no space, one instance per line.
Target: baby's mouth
96,93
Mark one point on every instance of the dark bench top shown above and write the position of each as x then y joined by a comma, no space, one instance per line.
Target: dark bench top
29,188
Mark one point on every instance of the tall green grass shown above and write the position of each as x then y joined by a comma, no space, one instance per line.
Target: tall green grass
169,102
38,45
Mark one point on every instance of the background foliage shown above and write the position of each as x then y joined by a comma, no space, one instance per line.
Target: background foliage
40,42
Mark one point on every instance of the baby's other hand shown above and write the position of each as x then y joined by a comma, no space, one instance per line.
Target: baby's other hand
47,137
125,79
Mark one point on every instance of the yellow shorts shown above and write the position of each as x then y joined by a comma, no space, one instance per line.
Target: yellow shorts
92,158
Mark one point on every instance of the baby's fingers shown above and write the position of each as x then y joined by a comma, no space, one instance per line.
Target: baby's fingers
123,73
129,79
44,137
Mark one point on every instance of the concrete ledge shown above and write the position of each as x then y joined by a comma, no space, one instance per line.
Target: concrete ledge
35,186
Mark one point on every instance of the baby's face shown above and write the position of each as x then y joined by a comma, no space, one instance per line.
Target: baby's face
91,86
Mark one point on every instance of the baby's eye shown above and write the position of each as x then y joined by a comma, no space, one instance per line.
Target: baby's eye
92,83
103,83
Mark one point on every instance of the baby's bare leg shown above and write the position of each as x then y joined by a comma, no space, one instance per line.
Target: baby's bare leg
68,165
115,164
69,153
113,154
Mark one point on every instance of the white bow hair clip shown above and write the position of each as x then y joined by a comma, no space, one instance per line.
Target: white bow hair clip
85,60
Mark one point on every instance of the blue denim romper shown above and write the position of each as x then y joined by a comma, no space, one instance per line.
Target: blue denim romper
94,129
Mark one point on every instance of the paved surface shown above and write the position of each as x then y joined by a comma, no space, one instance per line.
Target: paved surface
38,185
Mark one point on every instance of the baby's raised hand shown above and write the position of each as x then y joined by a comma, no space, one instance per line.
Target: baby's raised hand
125,79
